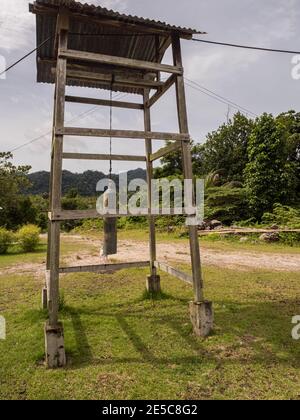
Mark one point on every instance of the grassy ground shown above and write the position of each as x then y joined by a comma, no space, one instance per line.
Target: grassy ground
120,344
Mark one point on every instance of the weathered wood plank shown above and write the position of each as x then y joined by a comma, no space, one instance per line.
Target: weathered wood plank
165,151
119,61
103,102
63,215
87,156
54,245
122,134
188,170
103,268
174,272
109,79
151,219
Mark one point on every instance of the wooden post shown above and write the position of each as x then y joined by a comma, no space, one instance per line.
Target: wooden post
153,281
55,353
188,174
51,181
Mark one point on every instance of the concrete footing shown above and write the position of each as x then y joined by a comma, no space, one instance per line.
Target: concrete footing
153,284
55,346
202,318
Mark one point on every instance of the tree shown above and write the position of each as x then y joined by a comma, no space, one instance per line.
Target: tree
171,165
225,150
15,208
265,173
291,122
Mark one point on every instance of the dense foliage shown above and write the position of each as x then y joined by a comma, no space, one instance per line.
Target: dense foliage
15,208
249,166
251,169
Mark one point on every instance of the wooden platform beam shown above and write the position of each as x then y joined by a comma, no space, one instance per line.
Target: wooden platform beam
87,156
119,61
122,134
103,102
108,79
104,268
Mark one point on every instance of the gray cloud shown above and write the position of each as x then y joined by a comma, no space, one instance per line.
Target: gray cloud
256,80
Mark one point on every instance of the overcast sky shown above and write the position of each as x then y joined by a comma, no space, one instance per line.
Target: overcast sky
258,81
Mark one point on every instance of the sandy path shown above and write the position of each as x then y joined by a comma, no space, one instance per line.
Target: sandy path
173,252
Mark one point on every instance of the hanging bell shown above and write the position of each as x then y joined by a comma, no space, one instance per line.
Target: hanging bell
110,242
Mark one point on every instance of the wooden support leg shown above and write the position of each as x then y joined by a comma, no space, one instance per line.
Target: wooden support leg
54,337
199,310
153,281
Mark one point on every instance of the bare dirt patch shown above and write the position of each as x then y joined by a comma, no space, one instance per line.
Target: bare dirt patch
130,250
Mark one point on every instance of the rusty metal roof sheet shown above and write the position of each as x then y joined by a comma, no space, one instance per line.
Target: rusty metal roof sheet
125,39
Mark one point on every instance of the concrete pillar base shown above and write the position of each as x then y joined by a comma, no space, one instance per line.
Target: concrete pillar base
55,346
202,318
153,284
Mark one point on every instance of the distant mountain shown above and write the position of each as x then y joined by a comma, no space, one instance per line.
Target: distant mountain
84,183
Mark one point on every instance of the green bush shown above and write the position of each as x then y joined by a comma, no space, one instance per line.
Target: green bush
283,216
29,238
6,239
226,204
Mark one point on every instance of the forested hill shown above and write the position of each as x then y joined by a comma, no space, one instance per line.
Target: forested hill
85,183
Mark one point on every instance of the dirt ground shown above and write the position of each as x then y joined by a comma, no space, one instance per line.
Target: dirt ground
176,252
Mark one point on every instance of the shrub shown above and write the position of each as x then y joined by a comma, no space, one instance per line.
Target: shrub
226,204
6,239
283,216
29,238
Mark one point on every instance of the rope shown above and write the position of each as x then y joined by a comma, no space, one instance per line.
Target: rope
110,127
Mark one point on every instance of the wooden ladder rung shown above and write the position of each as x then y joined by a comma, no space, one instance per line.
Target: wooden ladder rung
88,156
123,134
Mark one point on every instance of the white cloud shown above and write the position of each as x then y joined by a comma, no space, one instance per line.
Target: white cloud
16,24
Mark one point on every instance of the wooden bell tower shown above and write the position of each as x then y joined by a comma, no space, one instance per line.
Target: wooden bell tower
93,47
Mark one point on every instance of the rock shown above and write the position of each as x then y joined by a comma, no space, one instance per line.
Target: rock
214,224
244,239
274,227
269,237
202,226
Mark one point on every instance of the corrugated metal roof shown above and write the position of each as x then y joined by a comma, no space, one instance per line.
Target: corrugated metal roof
107,39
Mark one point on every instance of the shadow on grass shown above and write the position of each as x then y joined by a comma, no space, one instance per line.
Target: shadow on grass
262,329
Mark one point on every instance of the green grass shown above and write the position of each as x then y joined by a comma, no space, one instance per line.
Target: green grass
121,344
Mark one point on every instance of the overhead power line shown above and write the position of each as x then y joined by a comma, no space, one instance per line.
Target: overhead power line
217,97
25,56
34,140
247,47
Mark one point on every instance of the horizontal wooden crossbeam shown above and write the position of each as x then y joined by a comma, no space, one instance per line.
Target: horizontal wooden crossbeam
174,272
165,151
63,215
87,156
103,102
104,268
109,79
119,61
122,134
